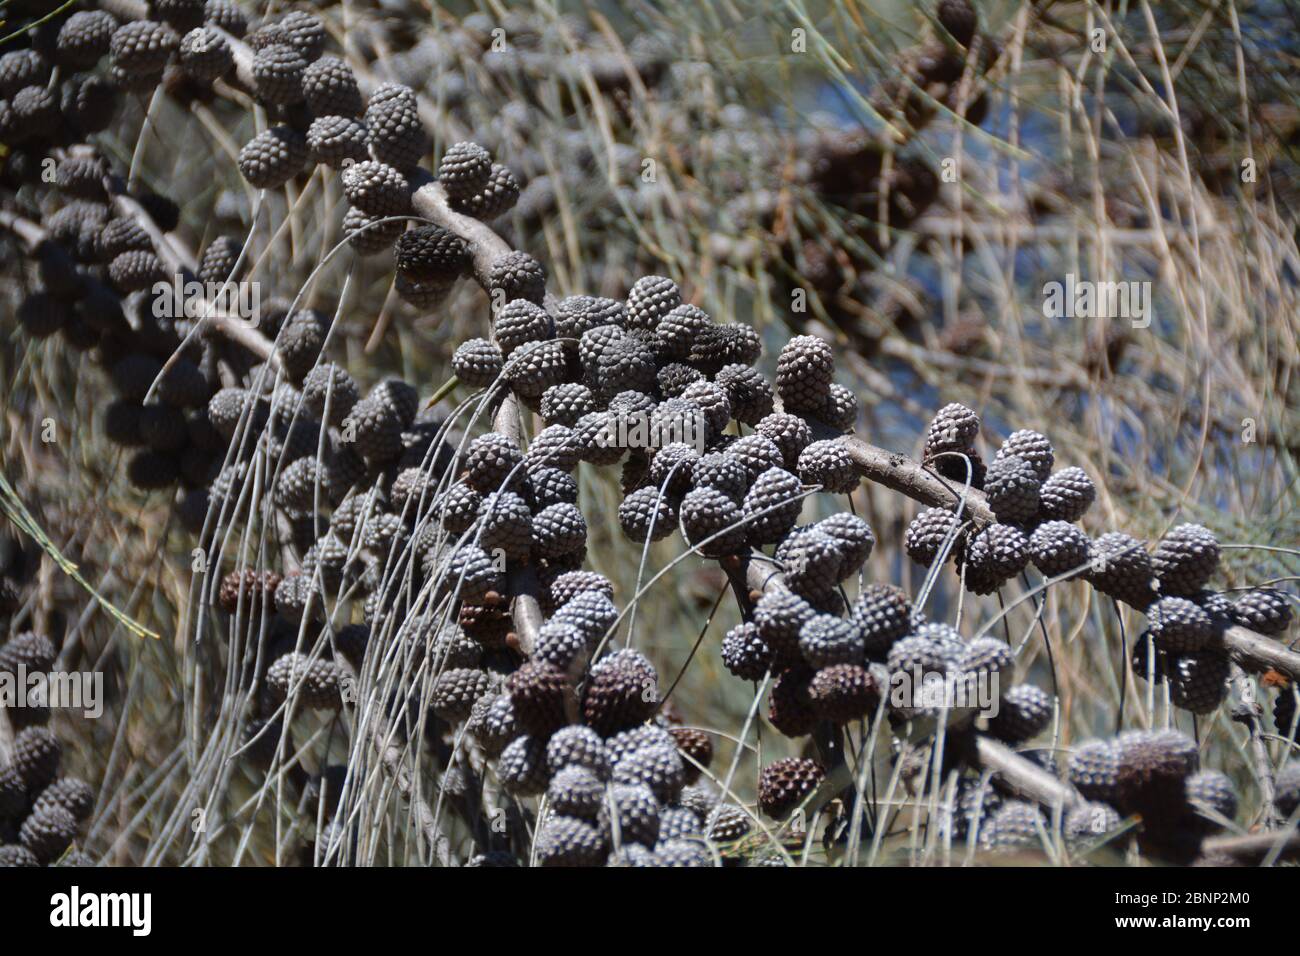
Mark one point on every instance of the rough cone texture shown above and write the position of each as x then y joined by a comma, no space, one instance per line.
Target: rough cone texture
784,784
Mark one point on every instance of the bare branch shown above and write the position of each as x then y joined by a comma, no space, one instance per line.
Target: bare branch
1023,776
1253,848
912,479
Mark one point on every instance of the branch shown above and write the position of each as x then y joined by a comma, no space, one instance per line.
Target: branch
1023,776
429,200
1026,778
6,738
1257,653
1254,652
242,54
1253,848
29,232
178,260
898,472
232,327
911,478
125,10
1247,711
393,759
527,611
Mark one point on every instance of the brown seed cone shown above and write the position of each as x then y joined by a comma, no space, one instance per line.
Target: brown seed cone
1153,768
538,692
257,587
784,784
621,692
959,18
789,707
486,624
696,745
456,690
318,681
844,692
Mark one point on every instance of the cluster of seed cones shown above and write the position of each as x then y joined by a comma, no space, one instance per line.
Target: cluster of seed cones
1150,781
1036,512
42,808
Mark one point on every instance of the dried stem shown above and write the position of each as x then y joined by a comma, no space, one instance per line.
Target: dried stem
125,10
1253,848
913,479
6,738
1248,712
1026,778
485,247
1254,652
231,326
